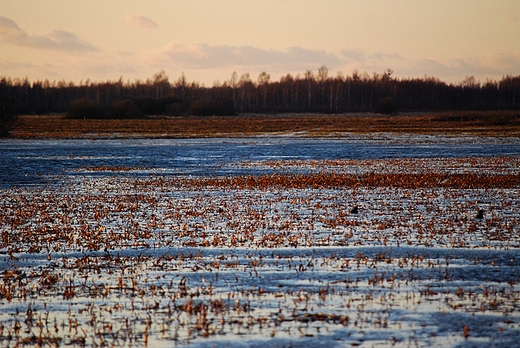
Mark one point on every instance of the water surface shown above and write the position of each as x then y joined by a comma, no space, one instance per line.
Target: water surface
30,162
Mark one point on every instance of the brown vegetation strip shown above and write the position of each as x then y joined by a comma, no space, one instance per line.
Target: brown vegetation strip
497,123
106,168
328,180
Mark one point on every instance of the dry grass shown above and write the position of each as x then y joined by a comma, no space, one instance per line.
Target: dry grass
492,123
331,180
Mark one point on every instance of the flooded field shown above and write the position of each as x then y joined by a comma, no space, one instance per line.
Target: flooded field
368,241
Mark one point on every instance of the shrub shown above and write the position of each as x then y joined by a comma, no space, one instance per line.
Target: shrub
386,105
86,108
175,109
151,106
125,109
212,107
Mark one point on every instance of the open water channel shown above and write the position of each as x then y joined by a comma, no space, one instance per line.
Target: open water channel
28,162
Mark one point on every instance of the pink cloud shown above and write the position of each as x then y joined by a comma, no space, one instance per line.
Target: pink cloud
512,15
206,56
141,21
55,40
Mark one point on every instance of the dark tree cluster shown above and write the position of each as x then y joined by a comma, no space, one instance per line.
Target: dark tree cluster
8,111
316,92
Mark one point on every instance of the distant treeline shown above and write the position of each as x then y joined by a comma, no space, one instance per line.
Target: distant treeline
311,92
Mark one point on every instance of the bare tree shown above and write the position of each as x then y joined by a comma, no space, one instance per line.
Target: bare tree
233,83
161,84
323,74
246,85
181,85
263,84
309,78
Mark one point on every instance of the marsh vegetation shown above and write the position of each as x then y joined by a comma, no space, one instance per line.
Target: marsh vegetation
263,249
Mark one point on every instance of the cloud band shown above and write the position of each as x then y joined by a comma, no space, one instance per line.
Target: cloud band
55,40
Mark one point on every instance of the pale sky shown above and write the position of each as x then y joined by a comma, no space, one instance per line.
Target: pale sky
208,40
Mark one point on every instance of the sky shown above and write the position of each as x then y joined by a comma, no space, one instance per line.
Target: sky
207,40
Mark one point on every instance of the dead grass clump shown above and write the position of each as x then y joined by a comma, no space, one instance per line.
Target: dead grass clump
327,180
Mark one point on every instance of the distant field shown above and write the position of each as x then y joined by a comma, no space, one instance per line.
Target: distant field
491,123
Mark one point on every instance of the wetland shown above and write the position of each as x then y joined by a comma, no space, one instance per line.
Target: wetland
376,239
